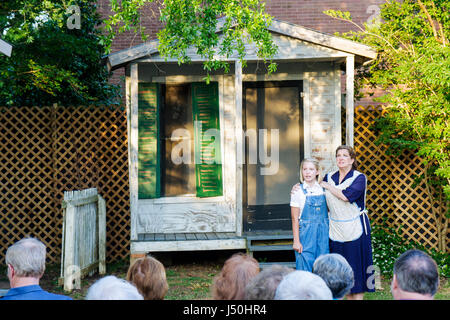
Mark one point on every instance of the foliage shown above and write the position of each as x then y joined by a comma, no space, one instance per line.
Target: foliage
51,63
193,23
125,17
388,244
413,68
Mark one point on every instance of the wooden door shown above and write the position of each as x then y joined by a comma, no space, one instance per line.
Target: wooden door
273,131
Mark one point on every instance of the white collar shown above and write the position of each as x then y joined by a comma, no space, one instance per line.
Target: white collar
306,186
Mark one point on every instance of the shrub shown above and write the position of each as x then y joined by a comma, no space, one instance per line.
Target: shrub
388,243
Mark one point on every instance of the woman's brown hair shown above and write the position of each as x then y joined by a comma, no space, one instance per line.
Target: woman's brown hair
236,273
149,277
352,154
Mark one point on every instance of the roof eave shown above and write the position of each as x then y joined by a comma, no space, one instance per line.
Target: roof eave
362,52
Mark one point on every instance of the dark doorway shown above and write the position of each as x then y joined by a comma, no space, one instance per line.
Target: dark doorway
273,128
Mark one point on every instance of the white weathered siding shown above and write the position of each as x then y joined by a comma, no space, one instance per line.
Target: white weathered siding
322,115
188,213
322,134
288,48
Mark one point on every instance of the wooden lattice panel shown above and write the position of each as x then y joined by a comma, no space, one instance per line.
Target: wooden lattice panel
114,183
95,154
26,176
391,193
46,151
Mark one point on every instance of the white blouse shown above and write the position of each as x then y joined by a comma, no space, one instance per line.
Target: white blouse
298,199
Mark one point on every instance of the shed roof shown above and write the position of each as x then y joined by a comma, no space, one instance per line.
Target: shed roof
362,52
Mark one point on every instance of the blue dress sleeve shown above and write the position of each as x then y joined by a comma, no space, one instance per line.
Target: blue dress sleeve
355,192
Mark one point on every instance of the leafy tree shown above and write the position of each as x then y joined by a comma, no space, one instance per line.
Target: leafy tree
52,63
413,67
53,60
193,23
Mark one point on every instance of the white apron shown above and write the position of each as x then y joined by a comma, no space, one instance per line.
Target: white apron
345,224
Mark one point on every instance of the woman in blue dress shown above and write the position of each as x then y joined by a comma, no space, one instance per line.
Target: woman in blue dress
309,217
349,223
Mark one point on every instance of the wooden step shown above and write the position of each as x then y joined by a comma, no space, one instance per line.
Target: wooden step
269,241
270,248
264,265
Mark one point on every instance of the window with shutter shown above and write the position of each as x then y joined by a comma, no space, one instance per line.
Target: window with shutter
148,141
208,164
158,175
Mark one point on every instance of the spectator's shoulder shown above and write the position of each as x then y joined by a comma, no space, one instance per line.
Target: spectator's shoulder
55,296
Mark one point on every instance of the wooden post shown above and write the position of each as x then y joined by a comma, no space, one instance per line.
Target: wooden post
350,108
69,249
307,138
62,247
239,144
337,139
5,48
101,235
133,148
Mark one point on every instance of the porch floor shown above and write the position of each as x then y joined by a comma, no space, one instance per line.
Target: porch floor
186,236
258,234
265,240
163,242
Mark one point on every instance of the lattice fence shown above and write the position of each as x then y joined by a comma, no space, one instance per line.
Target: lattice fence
45,151
391,193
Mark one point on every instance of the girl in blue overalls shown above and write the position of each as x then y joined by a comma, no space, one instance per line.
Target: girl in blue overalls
309,215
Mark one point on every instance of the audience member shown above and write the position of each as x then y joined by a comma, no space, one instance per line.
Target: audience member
264,284
336,272
303,285
236,273
113,288
26,265
416,276
149,277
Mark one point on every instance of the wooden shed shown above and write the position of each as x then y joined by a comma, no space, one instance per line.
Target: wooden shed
210,165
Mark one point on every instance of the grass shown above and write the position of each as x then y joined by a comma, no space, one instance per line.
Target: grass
190,280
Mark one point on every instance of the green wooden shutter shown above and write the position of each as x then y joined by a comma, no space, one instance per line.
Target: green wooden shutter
149,146
208,161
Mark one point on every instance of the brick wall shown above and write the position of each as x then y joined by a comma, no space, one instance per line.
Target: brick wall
307,13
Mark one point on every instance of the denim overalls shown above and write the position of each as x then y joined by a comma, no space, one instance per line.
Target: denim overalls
313,231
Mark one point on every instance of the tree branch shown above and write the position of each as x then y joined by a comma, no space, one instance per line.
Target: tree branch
430,20
441,30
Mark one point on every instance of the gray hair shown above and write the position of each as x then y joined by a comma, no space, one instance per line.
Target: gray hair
113,288
27,256
264,284
303,285
336,272
417,272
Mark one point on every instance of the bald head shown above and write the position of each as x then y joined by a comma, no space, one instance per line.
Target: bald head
417,272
